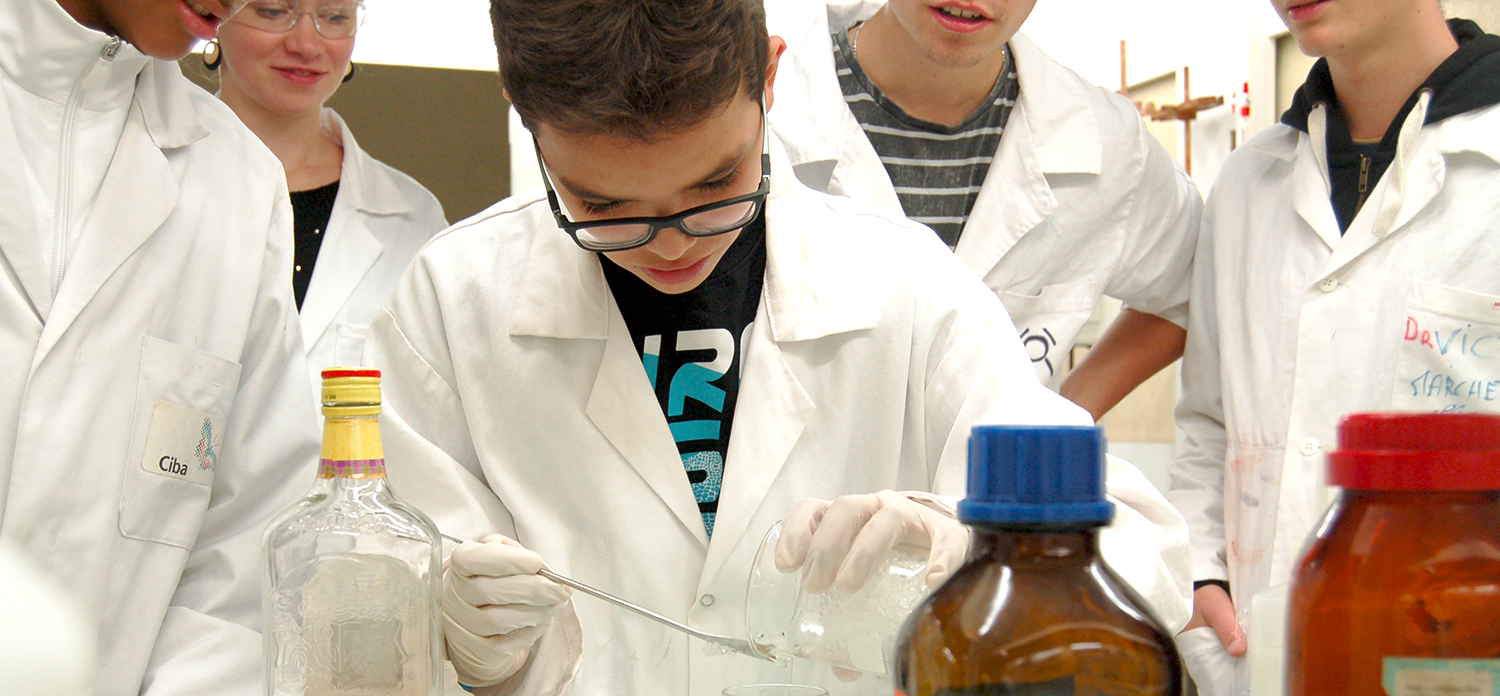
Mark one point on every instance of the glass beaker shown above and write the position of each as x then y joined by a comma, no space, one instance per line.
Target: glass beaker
851,630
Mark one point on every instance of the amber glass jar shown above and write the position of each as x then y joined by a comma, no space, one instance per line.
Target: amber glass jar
1399,588
1034,611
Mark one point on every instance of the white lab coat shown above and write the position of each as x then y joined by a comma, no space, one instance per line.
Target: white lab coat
516,402
175,311
380,219
1293,326
46,647
1080,200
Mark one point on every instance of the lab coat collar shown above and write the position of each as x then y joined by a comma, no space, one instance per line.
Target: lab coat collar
376,193
19,243
170,116
1310,178
821,136
1051,130
46,52
1470,132
810,290
349,249
1063,126
624,408
1466,132
1411,182
1279,141
1065,133
139,192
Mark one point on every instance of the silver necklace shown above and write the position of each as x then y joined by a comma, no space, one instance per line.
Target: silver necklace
854,40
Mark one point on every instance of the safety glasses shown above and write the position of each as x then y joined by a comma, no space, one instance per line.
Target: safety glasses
333,19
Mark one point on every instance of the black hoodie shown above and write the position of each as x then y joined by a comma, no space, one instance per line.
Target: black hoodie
1468,80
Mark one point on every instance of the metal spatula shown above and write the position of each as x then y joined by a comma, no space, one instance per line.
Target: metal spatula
738,645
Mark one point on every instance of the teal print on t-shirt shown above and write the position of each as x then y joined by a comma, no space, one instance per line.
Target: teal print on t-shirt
695,407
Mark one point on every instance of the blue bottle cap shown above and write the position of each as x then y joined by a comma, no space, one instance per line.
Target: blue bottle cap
1036,475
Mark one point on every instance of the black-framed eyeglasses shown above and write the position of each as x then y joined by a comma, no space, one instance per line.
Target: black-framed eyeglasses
619,234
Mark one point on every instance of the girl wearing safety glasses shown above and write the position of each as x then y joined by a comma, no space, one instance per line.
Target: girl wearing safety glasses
358,221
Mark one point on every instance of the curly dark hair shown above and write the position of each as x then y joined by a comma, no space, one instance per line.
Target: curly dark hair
632,68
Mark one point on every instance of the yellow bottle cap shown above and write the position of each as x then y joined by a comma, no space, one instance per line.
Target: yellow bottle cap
351,391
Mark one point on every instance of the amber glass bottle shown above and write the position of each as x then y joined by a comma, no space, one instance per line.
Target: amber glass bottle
1035,611
1399,588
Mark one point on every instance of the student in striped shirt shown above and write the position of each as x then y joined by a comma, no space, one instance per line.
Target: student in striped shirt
1046,185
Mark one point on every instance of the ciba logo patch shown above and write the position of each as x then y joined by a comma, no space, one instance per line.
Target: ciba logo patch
182,443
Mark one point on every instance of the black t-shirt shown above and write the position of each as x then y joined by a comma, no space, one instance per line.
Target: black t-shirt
310,212
690,345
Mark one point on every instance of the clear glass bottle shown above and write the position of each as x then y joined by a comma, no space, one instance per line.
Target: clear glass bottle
1399,588
352,574
1034,611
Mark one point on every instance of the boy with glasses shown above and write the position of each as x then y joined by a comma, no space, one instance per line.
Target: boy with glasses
632,380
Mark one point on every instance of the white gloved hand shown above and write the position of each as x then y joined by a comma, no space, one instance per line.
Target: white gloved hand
846,541
495,607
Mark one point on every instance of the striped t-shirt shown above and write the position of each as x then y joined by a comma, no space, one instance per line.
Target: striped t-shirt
937,170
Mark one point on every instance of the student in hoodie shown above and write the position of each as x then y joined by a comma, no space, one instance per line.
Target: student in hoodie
154,403
1347,262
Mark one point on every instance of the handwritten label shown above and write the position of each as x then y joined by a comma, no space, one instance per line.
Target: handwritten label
1447,364
1407,676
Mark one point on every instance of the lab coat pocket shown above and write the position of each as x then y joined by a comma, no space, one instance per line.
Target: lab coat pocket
1048,323
349,344
1449,359
182,399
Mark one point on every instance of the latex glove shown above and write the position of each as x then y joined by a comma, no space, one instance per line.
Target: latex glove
495,607
1212,641
844,542
1210,665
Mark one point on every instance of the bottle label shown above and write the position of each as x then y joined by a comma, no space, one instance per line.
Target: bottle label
182,443
351,449
351,468
1415,676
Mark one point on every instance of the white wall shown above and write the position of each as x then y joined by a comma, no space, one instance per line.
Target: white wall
1218,40
427,33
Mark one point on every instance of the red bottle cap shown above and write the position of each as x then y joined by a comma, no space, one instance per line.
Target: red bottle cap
1417,452
350,372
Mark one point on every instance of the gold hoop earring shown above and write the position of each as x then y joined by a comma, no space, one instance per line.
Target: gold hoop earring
212,56
348,75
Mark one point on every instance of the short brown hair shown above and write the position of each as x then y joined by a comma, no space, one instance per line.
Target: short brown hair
635,68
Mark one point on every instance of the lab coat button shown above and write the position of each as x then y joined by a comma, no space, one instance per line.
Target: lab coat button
707,600
1329,284
1310,446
